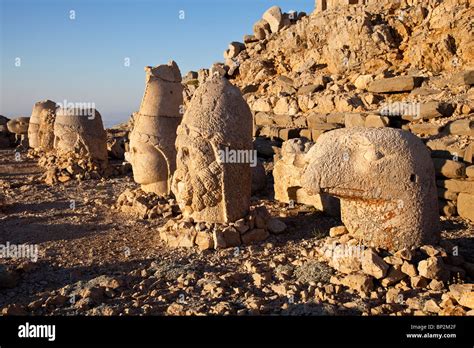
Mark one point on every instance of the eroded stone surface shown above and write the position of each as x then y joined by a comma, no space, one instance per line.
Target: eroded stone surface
19,127
152,140
80,134
208,189
385,180
41,127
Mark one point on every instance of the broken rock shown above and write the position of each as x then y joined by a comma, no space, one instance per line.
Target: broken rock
274,18
394,85
358,281
373,264
433,268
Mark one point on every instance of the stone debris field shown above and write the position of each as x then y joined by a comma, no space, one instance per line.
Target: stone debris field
325,167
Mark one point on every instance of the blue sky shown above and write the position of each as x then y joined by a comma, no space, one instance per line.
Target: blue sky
83,59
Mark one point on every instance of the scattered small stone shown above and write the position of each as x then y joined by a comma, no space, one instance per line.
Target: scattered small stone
373,265
358,281
433,268
337,231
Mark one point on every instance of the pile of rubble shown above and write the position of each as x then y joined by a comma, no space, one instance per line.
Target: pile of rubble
254,228
143,205
426,280
73,167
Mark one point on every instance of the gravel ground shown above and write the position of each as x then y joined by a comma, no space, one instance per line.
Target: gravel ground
94,260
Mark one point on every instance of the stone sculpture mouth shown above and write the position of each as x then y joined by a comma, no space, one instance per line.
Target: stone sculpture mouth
341,192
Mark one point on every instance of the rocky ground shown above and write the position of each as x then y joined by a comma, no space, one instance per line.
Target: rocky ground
94,260
302,75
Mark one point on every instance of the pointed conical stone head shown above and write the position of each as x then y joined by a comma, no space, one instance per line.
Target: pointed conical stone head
212,182
152,140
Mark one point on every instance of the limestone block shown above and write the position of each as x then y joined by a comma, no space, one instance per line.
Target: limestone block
465,206
393,85
287,171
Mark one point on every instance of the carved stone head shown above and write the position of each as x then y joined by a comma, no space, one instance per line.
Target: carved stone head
385,180
208,186
80,132
49,109
152,140
19,125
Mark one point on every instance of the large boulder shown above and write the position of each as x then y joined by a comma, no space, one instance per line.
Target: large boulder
274,17
261,29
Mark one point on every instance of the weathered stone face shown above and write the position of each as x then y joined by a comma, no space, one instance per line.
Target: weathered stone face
47,107
386,183
33,129
152,140
18,125
81,133
207,188
46,130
